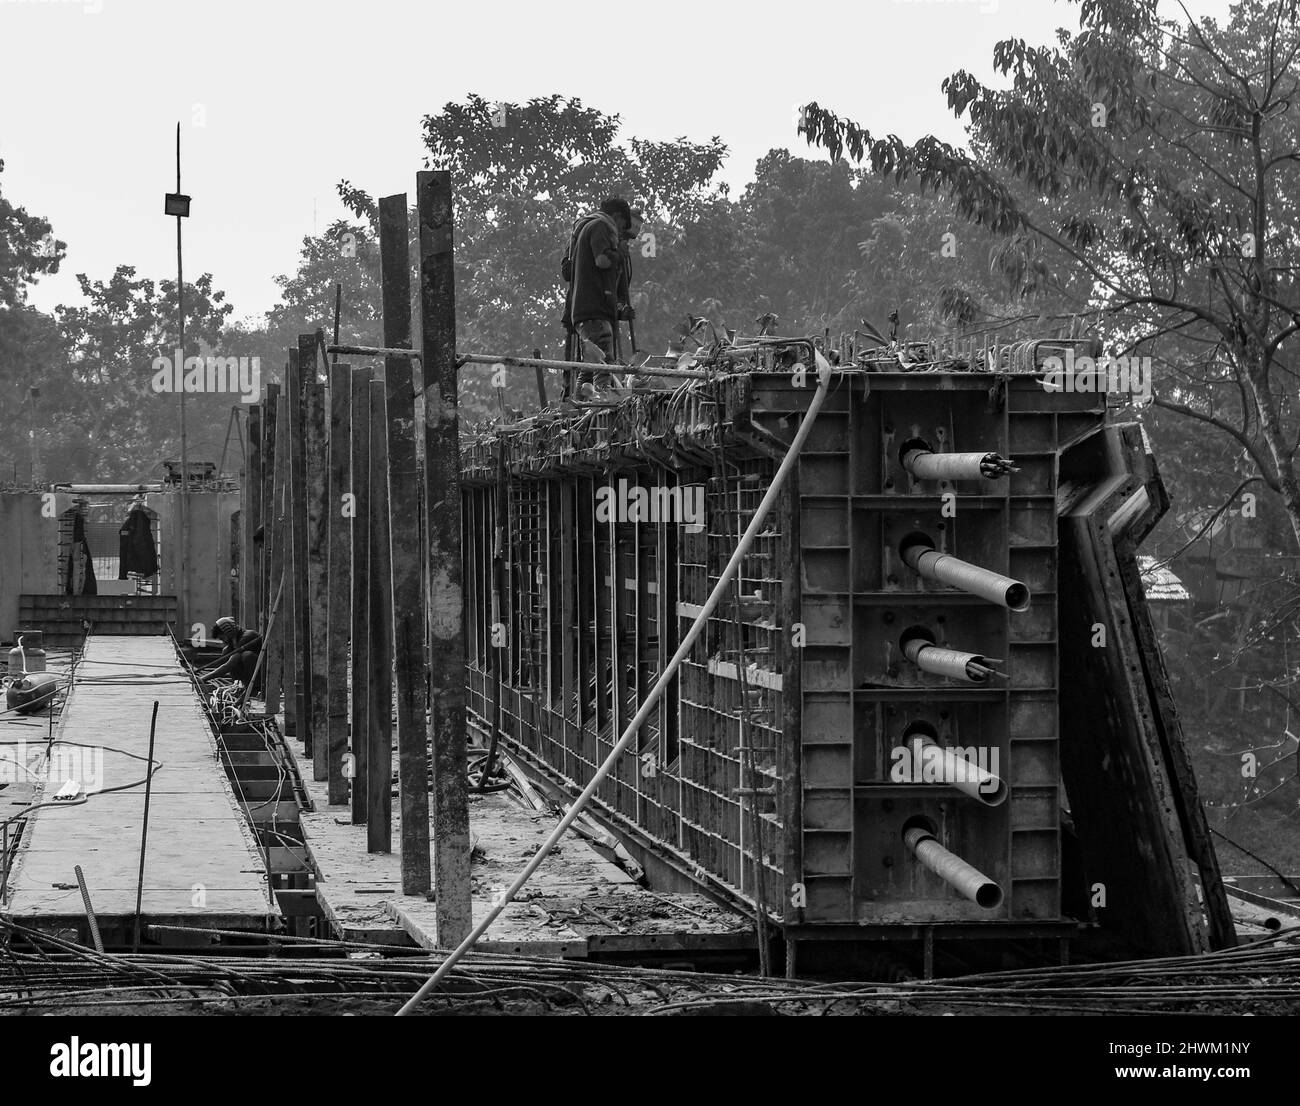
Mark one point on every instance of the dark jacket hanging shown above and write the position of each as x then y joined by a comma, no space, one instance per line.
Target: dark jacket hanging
135,546
81,564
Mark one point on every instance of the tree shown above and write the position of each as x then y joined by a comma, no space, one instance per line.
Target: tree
1153,175
28,249
32,351
524,172
806,221
29,340
106,422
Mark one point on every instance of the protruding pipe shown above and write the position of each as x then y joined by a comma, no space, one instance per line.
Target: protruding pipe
960,876
920,556
935,763
971,668
925,464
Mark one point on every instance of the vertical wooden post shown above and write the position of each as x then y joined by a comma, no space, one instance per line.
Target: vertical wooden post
239,531
270,412
360,465
297,676
379,688
274,459
251,486
341,499
315,436
442,521
404,540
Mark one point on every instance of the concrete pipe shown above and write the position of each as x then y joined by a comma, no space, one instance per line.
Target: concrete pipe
960,876
944,568
935,763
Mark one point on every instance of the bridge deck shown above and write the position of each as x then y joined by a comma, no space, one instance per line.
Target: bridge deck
202,866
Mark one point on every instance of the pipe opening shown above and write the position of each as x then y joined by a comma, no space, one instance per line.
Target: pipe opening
922,823
909,446
915,633
919,728
917,541
989,896
1017,597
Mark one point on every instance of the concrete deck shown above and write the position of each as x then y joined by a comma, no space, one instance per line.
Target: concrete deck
577,905
202,866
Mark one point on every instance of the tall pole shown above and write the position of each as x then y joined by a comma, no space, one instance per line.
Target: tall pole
185,454
446,632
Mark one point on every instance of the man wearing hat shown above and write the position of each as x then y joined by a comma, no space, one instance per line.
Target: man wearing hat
238,660
596,275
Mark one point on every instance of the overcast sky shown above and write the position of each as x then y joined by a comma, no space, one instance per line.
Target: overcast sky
279,100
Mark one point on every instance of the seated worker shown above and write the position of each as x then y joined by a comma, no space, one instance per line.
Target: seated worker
238,659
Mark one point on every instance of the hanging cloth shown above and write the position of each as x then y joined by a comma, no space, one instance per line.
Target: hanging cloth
81,566
135,546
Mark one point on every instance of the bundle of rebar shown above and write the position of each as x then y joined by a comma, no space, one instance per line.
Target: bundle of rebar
41,972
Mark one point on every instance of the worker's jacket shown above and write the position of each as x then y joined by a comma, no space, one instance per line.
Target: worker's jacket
248,642
594,291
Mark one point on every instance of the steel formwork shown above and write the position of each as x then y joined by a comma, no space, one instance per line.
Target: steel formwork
783,767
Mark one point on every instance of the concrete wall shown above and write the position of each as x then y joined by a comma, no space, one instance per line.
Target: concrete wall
209,555
29,552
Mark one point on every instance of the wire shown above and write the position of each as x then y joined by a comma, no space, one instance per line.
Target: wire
1254,856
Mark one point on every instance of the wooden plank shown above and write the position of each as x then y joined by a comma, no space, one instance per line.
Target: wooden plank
272,553
569,690
202,858
316,452
298,677
360,657
379,687
250,488
404,544
446,651
339,569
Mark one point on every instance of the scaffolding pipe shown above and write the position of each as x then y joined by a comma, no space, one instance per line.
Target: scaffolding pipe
928,465
581,366
107,489
824,372
954,770
373,351
944,568
968,881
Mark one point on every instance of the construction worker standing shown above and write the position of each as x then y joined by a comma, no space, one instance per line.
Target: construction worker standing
595,268
624,294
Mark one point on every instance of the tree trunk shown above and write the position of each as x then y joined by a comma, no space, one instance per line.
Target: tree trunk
1270,422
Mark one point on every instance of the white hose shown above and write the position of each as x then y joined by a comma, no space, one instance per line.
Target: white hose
683,650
